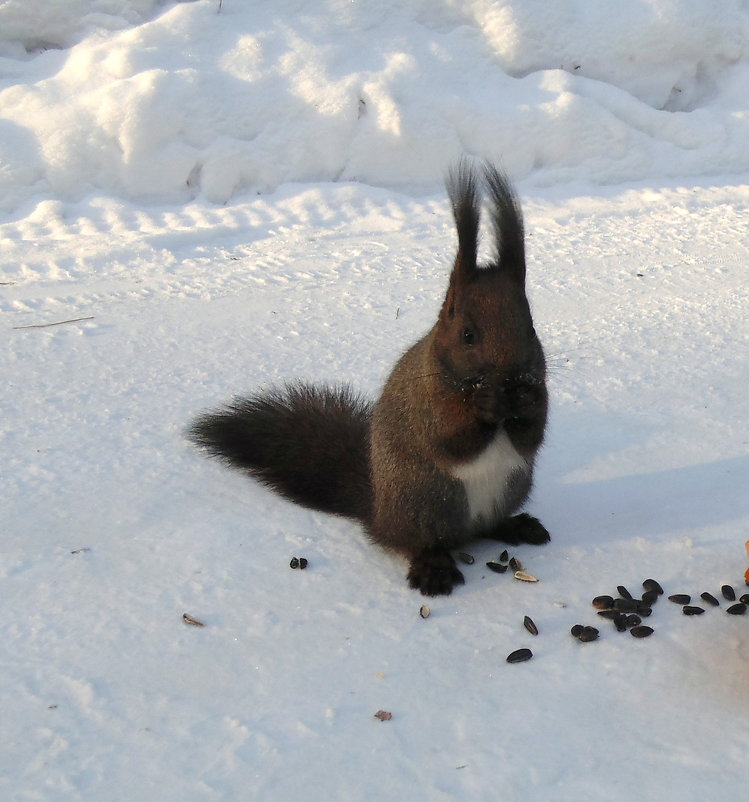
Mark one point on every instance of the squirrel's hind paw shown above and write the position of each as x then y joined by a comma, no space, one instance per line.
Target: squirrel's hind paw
434,573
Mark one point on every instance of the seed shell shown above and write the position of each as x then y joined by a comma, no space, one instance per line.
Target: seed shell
736,609
515,564
689,609
303,563
194,622
504,557
530,625
680,598
524,576
603,602
466,558
710,599
424,611
641,631
729,594
519,656
294,562
498,568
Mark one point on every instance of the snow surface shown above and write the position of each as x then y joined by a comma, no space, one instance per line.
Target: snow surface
227,200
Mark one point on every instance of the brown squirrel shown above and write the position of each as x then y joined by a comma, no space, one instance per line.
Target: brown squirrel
446,454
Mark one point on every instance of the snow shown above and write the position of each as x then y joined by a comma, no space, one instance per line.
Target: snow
230,197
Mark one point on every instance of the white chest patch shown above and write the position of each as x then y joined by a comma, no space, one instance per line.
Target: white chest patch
485,478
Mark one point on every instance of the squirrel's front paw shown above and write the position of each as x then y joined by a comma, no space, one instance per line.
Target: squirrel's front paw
521,528
434,573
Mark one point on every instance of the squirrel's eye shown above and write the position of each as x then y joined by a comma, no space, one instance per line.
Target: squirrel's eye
468,337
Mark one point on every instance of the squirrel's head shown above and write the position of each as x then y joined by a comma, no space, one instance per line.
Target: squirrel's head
484,340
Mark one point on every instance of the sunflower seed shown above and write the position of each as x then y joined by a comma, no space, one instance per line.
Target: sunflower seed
625,605
680,598
623,592
603,602
519,656
736,609
577,630
641,631
651,584
466,558
530,626
504,557
588,634
383,715
303,563
649,597
620,622
515,564
710,599
424,611
691,610
294,563
744,598
498,568
611,615
728,593
633,621
523,576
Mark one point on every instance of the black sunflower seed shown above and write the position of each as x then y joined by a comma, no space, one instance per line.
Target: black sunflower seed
651,584
611,615
625,605
710,599
736,609
633,621
588,634
689,609
603,602
577,630
294,562
303,563
466,558
498,568
649,597
515,564
504,557
529,625
623,592
744,598
641,631
620,622
729,594
519,656
680,598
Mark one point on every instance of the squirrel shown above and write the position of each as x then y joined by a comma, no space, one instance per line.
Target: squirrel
446,454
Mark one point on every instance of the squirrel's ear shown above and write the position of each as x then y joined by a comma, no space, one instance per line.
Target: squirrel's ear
507,222
463,193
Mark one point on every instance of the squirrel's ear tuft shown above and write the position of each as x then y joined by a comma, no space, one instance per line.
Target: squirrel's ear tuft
507,222
462,189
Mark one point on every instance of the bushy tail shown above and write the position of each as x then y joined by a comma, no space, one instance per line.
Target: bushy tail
309,444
